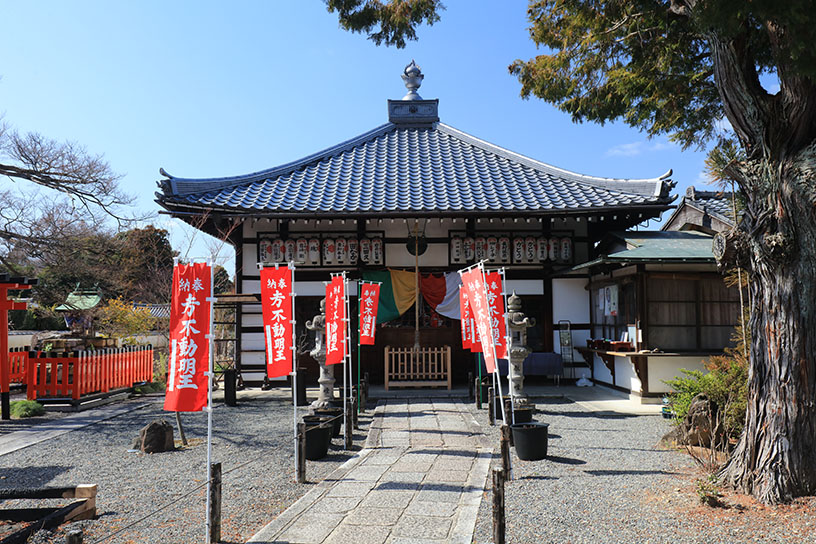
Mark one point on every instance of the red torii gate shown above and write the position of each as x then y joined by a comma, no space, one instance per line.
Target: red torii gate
8,283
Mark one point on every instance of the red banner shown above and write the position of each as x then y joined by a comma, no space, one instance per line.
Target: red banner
276,305
369,299
335,321
498,325
464,313
473,280
189,343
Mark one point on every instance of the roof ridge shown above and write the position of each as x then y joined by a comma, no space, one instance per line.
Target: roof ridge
534,163
185,186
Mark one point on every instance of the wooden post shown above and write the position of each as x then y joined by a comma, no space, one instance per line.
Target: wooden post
491,406
498,506
300,462
181,429
347,431
470,385
355,411
215,502
505,450
478,386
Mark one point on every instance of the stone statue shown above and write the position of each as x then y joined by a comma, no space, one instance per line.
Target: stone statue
518,323
326,380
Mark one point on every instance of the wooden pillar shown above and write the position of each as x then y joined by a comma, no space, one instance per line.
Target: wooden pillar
215,503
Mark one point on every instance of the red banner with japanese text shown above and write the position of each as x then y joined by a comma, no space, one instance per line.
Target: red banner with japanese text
473,280
369,300
190,318
464,313
276,306
335,321
495,300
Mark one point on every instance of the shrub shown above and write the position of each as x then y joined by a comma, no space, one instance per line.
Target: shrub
26,408
725,383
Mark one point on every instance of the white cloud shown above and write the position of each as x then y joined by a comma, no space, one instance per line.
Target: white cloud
638,148
626,150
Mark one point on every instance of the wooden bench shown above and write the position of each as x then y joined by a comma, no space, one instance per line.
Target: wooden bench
423,367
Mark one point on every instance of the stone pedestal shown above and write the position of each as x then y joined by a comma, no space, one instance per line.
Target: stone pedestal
326,379
518,323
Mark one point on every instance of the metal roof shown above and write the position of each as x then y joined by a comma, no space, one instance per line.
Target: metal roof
658,247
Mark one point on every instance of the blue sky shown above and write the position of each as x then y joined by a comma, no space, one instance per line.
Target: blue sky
210,88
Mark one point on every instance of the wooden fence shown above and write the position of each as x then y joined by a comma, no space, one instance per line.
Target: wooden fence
79,373
423,367
18,357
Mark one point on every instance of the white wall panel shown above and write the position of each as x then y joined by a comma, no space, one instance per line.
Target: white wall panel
570,300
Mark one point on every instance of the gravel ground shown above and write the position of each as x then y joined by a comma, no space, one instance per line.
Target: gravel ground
606,480
253,442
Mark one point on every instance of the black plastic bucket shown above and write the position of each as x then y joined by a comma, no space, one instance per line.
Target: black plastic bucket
337,423
530,440
318,438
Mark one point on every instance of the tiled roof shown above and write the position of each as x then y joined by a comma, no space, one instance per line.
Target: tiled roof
399,168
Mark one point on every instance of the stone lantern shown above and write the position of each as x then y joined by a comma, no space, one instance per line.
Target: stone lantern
518,323
326,380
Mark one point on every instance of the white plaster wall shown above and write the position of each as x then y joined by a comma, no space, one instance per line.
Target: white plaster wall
601,373
666,368
625,375
20,340
525,287
571,302
397,255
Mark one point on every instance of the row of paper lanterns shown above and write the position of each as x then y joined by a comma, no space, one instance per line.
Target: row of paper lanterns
504,249
328,251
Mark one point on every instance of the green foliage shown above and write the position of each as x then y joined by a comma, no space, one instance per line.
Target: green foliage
725,383
26,408
708,491
397,19
119,319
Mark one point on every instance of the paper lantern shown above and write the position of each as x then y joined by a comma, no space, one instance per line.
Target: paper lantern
340,254
353,248
301,250
554,248
265,251
543,249
530,249
504,249
377,251
492,249
470,249
365,250
480,248
566,250
289,250
457,252
518,249
328,251
314,250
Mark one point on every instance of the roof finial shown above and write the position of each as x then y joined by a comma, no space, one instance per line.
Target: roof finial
412,76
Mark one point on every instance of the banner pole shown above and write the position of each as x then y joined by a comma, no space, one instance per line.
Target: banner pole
346,355
507,343
211,300
493,347
359,330
294,372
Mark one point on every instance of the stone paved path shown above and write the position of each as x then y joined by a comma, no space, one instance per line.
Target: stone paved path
419,479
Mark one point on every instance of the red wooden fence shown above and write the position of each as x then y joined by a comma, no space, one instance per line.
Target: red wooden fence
18,357
72,375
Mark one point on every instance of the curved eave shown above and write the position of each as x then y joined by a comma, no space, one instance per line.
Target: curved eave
188,208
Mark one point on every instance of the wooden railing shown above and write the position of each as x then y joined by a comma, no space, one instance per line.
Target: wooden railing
422,367
18,358
72,375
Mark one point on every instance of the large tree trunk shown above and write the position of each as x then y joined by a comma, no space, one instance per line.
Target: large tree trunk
775,459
